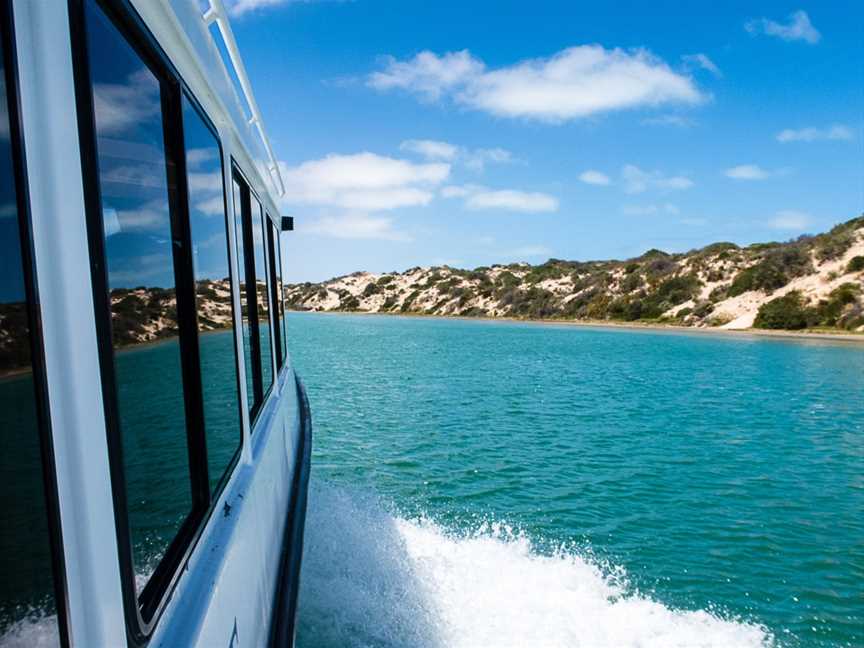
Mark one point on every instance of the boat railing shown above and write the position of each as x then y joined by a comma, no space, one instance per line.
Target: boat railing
216,14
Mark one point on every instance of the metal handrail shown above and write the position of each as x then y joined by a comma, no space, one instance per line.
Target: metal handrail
216,13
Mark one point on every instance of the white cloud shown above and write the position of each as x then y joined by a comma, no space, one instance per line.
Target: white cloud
669,120
148,217
593,177
205,182
576,82
214,206
810,134
512,200
198,157
478,197
356,226
799,27
427,74
453,191
747,172
702,61
790,220
362,181
474,159
430,149
649,210
117,106
478,158
638,181
240,7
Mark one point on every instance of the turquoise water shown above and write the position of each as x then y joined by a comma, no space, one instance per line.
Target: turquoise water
494,483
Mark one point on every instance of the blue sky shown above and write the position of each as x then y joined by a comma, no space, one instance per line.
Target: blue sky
470,133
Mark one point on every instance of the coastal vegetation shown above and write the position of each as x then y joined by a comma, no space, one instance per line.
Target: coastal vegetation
814,281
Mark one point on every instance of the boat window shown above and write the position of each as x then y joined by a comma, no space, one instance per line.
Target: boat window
142,276
262,294
241,192
28,607
215,314
275,255
282,299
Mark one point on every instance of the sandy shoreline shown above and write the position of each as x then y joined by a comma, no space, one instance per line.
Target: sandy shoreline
852,338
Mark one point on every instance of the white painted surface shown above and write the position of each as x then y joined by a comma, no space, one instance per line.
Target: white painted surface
228,585
63,273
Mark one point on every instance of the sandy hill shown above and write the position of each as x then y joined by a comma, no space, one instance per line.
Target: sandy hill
810,282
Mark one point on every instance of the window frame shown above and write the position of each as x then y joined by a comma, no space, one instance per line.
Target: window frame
186,93
274,252
34,322
263,219
142,612
282,320
246,239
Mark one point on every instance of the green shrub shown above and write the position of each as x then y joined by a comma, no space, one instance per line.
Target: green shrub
351,304
659,266
775,270
718,294
371,289
507,280
830,310
598,306
833,244
409,301
856,264
677,290
630,283
786,312
384,280
548,270
718,248
703,309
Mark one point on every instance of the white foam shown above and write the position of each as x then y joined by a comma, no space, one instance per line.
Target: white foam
371,578
374,579
35,630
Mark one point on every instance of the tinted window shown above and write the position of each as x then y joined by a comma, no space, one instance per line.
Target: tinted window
241,206
261,291
139,243
215,315
27,602
276,292
281,296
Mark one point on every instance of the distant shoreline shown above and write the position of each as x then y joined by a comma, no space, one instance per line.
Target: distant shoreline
839,336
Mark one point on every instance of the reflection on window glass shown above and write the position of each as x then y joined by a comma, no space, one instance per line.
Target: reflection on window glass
27,606
276,290
212,293
261,286
280,294
244,298
139,263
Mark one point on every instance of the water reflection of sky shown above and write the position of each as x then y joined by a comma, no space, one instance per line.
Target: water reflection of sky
132,173
206,201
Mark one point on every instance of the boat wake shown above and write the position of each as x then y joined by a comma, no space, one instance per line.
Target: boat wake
35,630
371,578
